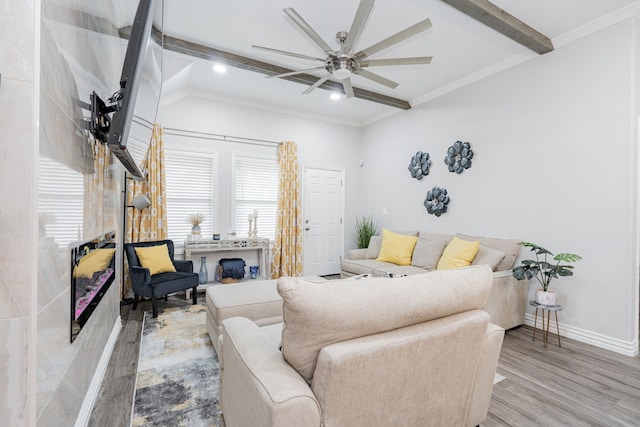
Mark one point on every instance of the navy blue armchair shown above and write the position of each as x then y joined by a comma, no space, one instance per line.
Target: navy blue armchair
161,284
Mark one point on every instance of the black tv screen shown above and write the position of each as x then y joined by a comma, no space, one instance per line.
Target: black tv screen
139,94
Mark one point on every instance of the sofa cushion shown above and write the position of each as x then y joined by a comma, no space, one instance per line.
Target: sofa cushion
458,253
488,256
373,250
510,247
427,253
362,266
398,270
156,259
396,248
318,314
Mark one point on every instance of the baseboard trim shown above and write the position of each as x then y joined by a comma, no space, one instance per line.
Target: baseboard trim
98,376
627,348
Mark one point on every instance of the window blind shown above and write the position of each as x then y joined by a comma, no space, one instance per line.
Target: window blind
190,189
256,188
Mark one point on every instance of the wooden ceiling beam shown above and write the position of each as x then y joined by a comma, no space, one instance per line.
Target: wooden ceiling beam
93,23
231,59
493,17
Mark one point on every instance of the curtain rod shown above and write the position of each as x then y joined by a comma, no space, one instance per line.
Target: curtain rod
218,137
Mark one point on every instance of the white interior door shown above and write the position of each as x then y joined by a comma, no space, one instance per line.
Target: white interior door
322,221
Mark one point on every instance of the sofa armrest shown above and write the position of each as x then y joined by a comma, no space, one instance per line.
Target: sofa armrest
139,276
357,253
508,300
502,273
258,387
489,355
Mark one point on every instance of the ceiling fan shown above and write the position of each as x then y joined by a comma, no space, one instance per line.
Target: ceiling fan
343,63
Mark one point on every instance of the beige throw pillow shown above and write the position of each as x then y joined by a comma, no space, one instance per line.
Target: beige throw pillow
510,247
488,256
374,247
427,253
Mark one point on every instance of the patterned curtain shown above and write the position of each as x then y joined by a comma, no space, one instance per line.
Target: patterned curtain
149,224
100,215
287,248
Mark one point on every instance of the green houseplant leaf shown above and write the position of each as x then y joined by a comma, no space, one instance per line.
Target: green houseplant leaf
543,270
366,227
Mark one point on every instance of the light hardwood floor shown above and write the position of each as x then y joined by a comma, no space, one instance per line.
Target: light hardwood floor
576,385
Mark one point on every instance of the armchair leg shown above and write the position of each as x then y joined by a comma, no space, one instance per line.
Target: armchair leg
194,291
135,302
154,304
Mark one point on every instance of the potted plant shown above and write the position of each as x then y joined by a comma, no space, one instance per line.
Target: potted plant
544,271
365,228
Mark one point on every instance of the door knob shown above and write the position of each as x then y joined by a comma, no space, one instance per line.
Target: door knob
307,228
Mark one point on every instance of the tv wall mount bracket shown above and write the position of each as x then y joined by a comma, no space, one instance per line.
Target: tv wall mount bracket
100,121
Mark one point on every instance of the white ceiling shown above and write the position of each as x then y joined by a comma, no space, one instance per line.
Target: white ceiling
463,49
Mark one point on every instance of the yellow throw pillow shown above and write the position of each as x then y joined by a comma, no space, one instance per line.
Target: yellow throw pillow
458,253
156,259
397,248
96,260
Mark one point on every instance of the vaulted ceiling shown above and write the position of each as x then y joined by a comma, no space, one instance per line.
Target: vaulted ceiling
468,40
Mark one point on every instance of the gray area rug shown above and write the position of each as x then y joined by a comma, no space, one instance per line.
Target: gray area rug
178,371
178,378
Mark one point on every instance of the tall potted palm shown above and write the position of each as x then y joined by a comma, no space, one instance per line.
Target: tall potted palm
545,270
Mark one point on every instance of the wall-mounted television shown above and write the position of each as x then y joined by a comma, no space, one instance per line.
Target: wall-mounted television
134,106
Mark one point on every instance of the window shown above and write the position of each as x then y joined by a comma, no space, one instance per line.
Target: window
190,188
256,188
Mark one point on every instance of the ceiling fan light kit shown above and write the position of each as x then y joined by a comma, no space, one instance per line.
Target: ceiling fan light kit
343,63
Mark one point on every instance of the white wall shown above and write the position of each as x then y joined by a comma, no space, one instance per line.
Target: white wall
319,143
556,163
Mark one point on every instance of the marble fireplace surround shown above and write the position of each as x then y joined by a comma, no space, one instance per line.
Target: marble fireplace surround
53,55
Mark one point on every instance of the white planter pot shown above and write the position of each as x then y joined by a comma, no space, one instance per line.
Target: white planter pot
545,298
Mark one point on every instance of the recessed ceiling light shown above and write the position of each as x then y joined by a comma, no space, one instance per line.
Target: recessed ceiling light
219,68
335,96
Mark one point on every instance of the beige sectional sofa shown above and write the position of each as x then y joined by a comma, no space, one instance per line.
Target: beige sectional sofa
507,302
410,351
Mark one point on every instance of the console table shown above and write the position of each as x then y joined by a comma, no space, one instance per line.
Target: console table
261,246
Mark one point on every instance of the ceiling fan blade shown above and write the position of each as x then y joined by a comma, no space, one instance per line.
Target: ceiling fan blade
348,87
376,78
316,84
396,38
396,61
284,52
302,24
291,73
364,9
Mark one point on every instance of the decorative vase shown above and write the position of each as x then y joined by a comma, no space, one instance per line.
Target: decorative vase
545,298
195,231
203,274
254,271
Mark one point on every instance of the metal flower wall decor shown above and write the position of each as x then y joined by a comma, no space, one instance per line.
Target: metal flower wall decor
436,201
459,157
420,164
